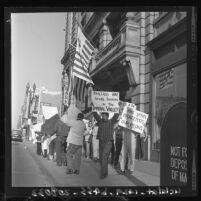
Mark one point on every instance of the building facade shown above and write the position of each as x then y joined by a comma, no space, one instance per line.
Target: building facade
34,99
126,61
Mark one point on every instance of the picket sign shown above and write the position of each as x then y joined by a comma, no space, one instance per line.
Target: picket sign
104,101
123,104
133,119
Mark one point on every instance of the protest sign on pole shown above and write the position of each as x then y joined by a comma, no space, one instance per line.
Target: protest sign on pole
133,119
122,105
104,101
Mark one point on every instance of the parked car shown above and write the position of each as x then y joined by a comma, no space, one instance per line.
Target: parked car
17,135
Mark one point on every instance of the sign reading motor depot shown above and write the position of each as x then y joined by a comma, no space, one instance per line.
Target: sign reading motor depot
104,101
133,119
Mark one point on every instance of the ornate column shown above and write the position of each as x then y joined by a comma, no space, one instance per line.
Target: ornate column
27,100
65,86
105,36
130,38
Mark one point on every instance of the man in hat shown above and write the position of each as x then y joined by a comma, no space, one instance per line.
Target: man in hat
62,131
75,142
105,137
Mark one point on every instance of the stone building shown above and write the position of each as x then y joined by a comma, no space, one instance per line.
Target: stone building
131,50
34,99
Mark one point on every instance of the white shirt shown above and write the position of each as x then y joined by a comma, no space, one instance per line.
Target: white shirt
76,133
95,130
45,144
144,133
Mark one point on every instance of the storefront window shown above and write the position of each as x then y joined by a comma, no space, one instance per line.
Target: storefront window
169,87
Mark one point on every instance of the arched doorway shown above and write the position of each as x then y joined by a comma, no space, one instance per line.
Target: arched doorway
173,158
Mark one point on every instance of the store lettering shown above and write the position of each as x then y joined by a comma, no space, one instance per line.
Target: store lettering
178,163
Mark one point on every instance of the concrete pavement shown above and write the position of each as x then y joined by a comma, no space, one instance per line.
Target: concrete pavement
146,174
25,172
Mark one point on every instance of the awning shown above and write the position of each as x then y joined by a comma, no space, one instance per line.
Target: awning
49,125
37,127
61,128
49,111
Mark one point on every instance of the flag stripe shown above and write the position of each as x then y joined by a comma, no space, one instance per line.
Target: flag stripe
84,77
85,61
89,45
86,57
79,67
80,63
82,57
85,92
78,89
81,74
87,51
82,89
77,70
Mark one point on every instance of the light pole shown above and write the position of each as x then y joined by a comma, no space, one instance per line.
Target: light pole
31,98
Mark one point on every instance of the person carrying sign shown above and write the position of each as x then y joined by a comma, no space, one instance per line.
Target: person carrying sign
75,142
105,137
95,143
127,156
118,130
87,139
62,131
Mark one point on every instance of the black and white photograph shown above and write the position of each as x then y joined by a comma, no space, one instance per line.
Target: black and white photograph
100,99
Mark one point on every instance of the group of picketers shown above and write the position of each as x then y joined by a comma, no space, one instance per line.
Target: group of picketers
101,140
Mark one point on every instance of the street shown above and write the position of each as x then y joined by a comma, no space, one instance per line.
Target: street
32,170
25,170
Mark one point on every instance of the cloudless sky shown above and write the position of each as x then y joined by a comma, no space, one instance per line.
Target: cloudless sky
37,43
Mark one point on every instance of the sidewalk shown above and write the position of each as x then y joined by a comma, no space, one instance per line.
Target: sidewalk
146,173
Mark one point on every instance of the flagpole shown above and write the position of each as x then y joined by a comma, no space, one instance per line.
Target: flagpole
71,78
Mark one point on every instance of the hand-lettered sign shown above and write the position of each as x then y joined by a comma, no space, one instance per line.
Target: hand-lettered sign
122,105
133,119
103,101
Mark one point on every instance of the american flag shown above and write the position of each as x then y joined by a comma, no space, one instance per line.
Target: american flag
166,79
80,71
83,55
80,89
